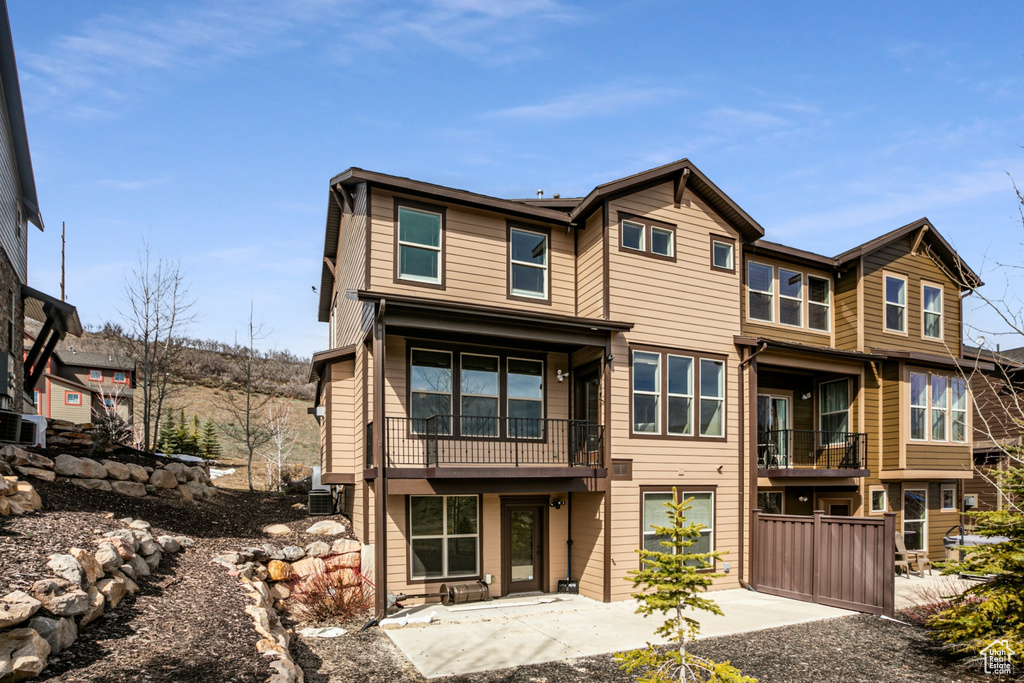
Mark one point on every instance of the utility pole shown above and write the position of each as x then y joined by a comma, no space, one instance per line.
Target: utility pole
62,261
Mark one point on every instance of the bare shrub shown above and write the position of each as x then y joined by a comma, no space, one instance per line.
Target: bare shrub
323,595
933,598
111,430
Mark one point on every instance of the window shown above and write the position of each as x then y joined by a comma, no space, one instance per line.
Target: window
528,263
791,297
948,498
895,304
95,375
942,399
525,397
633,235
680,395
72,398
35,398
479,385
940,407
770,502
109,404
646,392
877,501
430,379
120,378
649,237
834,409
958,432
443,536
760,292
931,303
918,406
701,511
419,245
722,255
712,397
915,512
818,303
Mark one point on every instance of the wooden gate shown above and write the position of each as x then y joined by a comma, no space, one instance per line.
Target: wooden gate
846,562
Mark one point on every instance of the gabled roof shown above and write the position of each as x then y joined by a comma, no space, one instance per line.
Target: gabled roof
697,181
110,361
16,119
939,247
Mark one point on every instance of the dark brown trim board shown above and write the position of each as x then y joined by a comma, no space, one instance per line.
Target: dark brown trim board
539,229
401,202
711,252
649,225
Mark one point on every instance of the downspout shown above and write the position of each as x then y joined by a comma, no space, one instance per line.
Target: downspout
743,462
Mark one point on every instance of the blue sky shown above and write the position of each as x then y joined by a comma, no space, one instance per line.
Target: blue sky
211,128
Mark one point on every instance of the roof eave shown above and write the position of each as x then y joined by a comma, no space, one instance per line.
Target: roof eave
16,121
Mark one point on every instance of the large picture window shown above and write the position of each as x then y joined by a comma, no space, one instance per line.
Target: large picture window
419,245
528,263
895,304
702,511
760,292
444,536
931,305
938,408
677,394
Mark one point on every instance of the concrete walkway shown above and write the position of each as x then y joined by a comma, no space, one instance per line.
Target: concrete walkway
509,632
915,590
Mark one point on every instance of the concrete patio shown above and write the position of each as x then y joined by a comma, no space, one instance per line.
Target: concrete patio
530,630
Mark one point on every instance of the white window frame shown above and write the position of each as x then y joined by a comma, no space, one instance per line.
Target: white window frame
903,508
871,500
72,393
643,235
770,292
886,303
951,490
827,304
444,536
719,399
451,387
926,407
659,382
954,411
669,395
512,263
438,249
941,409
683,495
732,254
671,241
799,300
941,312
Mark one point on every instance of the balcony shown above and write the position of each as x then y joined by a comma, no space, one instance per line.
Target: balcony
457,445
811,453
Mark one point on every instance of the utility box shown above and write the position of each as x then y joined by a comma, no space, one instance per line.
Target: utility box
7,376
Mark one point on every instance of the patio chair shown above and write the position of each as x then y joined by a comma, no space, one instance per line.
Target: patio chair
905,558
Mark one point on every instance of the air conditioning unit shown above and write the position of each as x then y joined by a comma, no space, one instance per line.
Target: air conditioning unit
10,426
28,432
321,502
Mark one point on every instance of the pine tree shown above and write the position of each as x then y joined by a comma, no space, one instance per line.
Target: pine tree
166,441
209,444
672,580
183,437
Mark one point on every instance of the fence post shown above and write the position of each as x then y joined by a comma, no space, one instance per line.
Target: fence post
755,515
816,556
888,578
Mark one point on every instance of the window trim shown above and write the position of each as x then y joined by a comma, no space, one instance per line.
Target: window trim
451,393
537,230
693,395
117,381
849,403
684,492
95,379
658,393
648,224
871,499
927,407
800,301
886,276
903,517
479,538
68,394
771,293
951,488
697,356
827,305
782,498
401,202
925,284
496,397
731,243
942,409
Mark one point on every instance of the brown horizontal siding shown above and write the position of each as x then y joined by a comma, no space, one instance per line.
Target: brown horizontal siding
938,456
588,556
892,415
845,314
590,269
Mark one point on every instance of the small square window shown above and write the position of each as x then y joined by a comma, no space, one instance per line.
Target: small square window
95,375
948,498
878,500
73,398
721,255
633,235
662,242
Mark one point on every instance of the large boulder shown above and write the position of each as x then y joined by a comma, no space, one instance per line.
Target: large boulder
23,654
276,530
19,457
38,473
26,496
327,527
317,549
108,557
279,571
93,570
149,546
293,553
168,544
92,484
129,488
137,473
83,468
182,472
67,568
185,494
345,545
163,479
116,470
60,598
309,565
139,566
346,561
95,609
59,633
126,535
113,589
153,561
16,607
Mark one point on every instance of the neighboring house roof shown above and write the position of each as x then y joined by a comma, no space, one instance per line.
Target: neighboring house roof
57,379
16,120
94,360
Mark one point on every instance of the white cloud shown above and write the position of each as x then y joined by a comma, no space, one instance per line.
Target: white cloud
605,101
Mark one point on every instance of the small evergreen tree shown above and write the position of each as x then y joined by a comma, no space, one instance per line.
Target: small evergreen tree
992,610
167,443
184,440
209,443
672,580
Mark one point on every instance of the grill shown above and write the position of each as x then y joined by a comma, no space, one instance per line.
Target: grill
321,502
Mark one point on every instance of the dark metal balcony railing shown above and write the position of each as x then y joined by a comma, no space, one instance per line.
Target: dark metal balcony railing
805,448
501,441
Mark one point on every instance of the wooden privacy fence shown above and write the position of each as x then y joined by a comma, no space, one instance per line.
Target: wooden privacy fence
846,562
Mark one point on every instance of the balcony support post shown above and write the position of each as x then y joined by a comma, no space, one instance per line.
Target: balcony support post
380,530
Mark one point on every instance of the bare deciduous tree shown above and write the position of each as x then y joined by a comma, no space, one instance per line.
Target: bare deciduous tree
283,437
157,311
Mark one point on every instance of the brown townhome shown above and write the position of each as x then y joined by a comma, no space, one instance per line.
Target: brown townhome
513,387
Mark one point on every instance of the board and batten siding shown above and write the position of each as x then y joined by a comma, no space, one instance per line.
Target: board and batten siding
347,314
683,305
776,330
13,239
476,258
896,259
590,268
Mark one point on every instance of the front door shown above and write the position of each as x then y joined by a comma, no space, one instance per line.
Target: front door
587,407
522,547
773,424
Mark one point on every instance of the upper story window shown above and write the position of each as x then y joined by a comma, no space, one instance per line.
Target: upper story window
760,292
72,398
647,236
819,301
666,397
528,263
420,245
895,304
931,311
95,375
120,378
723,254
479,384
938,408
430,382
791,297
